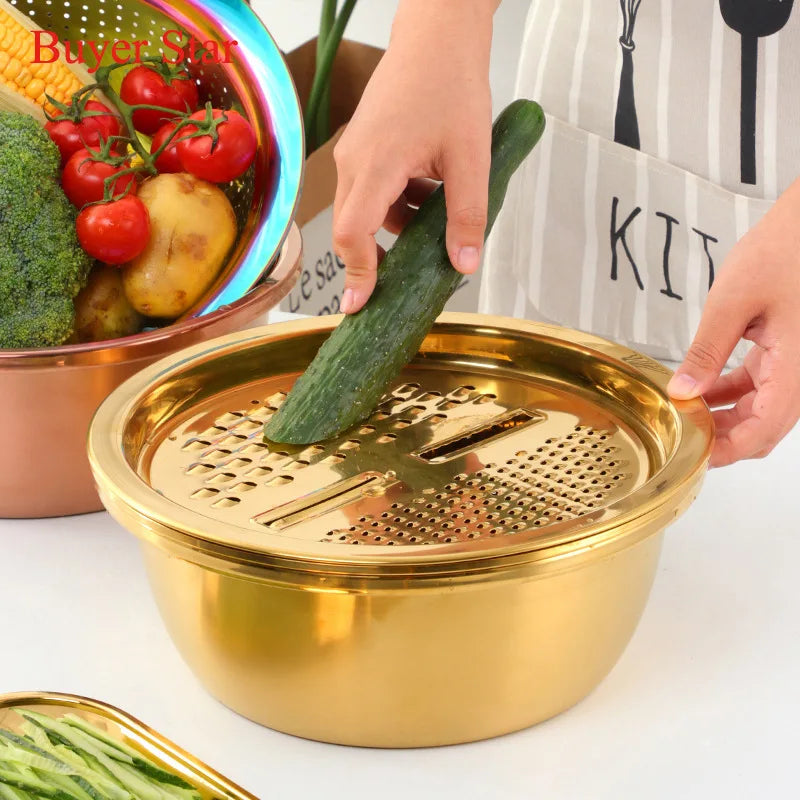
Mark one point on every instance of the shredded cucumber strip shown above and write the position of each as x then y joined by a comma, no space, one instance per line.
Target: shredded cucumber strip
17,755
97,774
74,737
58,768
127,778
66,783
10,793
69,759
100,779
29,782
38,736
138,759
11,740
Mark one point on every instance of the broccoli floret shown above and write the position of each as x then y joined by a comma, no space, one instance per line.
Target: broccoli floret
42,265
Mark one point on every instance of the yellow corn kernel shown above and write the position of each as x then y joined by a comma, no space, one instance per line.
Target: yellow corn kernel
15,47
6,35
64,81
35,88
13,68
26,53
42,71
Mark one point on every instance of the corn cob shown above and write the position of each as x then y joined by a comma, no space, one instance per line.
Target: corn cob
24,84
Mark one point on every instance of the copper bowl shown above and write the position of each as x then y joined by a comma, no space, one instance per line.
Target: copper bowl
48,396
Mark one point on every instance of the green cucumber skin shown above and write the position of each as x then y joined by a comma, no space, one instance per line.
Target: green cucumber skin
367,350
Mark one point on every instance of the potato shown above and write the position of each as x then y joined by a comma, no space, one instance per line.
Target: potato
192,230
102,310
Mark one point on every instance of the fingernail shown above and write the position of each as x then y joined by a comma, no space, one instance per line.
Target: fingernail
348,301
682,386
468,259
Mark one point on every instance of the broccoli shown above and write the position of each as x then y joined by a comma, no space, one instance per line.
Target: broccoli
42,265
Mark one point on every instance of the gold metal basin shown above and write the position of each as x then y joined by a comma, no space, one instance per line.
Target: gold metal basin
470,560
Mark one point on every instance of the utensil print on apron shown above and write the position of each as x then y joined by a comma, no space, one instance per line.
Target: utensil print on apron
752,19
623,219
626,123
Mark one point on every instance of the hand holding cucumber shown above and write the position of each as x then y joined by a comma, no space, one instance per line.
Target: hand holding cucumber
366,351
426,113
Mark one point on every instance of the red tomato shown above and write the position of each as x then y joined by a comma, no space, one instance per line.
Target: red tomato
228,158
168,161
70,136
114,232
83,179
145,86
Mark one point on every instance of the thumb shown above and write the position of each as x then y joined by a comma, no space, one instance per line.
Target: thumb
722,326
466,190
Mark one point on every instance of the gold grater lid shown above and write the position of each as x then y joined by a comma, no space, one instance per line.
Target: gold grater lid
501,438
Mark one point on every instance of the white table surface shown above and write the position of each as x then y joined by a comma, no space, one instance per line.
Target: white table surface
703,704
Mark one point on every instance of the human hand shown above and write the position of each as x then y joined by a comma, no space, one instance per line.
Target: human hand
426,113
755,297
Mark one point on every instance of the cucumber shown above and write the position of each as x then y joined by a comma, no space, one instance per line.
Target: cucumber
367,350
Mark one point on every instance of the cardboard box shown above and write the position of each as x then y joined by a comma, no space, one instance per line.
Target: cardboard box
321,283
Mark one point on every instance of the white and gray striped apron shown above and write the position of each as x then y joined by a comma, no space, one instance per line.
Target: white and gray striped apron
673,125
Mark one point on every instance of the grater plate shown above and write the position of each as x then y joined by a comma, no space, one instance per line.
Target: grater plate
494,437
446,457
